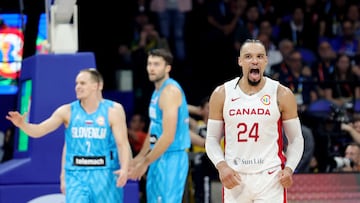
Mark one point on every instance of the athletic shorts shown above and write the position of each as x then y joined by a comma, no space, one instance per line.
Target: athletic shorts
165,182
92,186
263,187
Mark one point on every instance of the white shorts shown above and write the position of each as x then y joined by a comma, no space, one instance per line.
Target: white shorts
263,187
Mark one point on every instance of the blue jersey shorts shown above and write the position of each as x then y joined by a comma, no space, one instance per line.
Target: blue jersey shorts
92,186
166,178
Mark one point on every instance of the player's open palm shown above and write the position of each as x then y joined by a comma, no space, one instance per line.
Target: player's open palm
16,118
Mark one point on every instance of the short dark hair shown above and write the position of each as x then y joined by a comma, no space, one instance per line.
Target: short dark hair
95,74
354,144
356,118
256,41
163,53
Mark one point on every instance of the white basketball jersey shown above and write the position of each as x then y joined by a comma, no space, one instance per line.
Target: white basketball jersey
253,128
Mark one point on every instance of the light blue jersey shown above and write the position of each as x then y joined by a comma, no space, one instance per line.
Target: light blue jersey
182,138
91,157
167,175
89,141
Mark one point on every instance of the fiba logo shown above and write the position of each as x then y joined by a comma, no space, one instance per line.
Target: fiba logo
265,99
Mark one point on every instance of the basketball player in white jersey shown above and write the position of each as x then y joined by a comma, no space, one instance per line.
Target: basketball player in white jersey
251,111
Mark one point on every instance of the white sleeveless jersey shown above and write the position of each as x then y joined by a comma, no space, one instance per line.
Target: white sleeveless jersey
253,128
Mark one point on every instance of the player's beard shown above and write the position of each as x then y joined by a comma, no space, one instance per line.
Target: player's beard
254,76
158,78
254,83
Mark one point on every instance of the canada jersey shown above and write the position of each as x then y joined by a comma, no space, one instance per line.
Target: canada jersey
253,136
182,134
89,140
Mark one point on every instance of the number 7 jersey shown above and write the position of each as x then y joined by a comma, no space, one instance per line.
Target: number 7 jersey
89,140
253,128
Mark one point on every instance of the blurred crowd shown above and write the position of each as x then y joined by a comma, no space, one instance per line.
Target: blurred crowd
313,48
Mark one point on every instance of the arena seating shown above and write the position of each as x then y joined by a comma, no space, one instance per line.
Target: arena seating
329,188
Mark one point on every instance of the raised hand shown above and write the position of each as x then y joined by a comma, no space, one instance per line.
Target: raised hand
16,118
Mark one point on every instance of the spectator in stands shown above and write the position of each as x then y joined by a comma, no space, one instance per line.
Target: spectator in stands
333,14
223,21
312,14
265,27
285,47
324,67
274,10
238,7
171,15
298,78
346,43
298,32
249,24
141,18
353,14
353,128
352,153
274,55
137,132
345,85
149,39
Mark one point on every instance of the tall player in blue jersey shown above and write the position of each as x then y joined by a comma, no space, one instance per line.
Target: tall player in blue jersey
97,151
164,150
